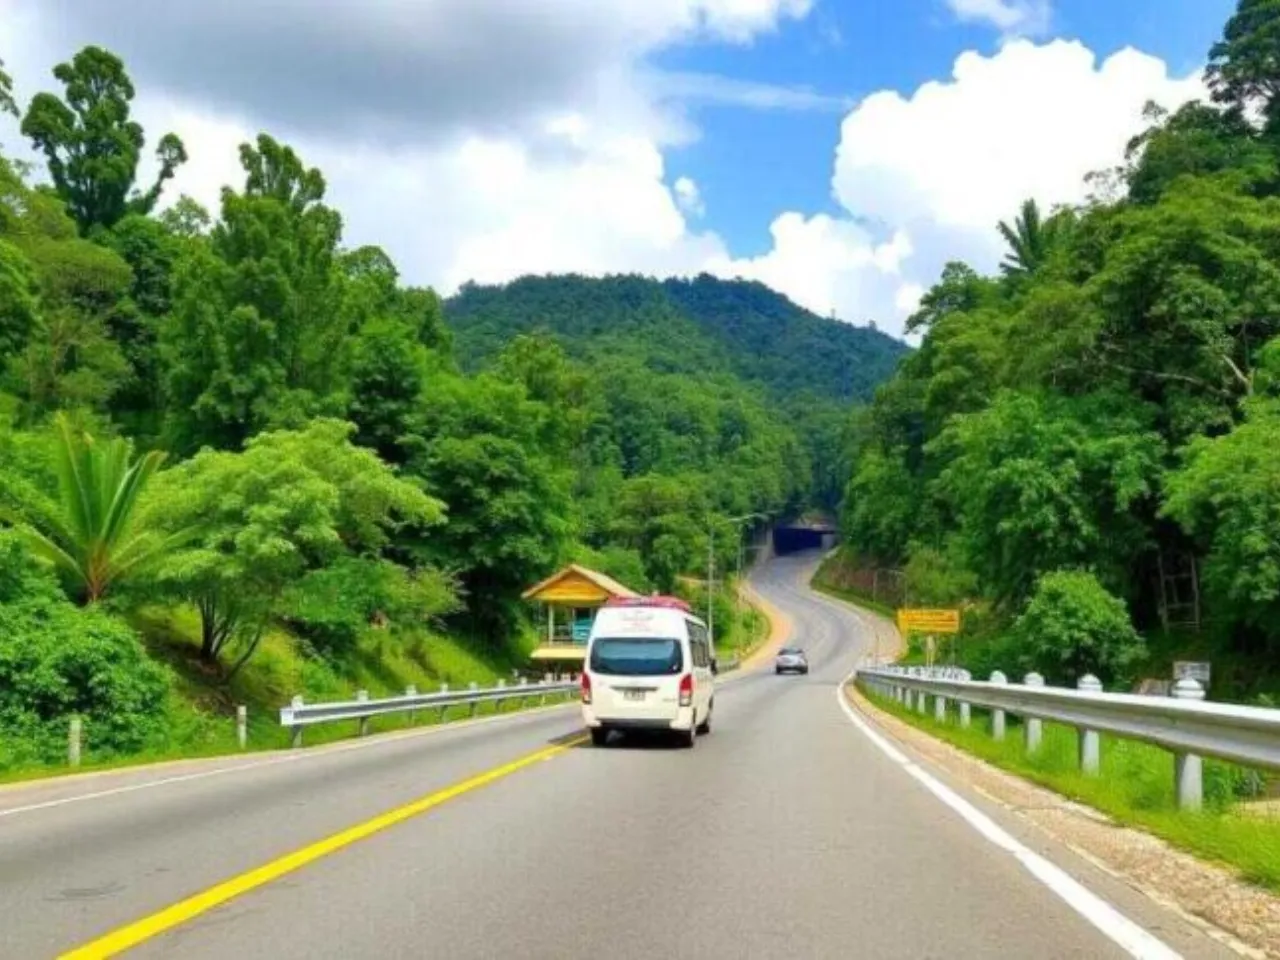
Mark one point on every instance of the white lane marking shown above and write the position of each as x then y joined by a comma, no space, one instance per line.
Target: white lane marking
1126,934
277,760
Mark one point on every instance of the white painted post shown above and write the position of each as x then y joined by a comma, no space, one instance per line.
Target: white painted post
411,690
964,714
363,729
242,726
444,688
940,709
497,704
922,702
74,732
295,738
1090,740
1188,768
997,716
524,701
474,704
1034,727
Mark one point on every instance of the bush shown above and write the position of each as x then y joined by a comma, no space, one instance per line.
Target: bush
57,660
1072,626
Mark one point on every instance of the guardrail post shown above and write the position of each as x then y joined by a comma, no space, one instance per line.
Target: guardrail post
363,729
922,703
1188,768
997,716
74,731
524,699
1090,741
242,726
940,708
444,688
1034,727
964,713
474,704
295,735
497,704
412,691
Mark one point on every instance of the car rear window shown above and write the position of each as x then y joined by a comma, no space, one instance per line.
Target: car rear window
636,657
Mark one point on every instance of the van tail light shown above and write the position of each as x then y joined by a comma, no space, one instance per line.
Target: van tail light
586,687
686,690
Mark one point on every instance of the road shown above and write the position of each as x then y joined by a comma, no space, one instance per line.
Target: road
788,832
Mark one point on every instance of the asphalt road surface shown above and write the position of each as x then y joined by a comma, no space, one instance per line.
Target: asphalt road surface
787,832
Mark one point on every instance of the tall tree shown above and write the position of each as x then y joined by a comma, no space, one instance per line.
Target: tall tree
1031,239
91,145
7,103
1244,66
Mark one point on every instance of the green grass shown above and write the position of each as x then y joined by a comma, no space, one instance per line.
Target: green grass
1135,788
200,718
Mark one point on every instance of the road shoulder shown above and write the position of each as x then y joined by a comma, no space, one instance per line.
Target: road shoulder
1230,911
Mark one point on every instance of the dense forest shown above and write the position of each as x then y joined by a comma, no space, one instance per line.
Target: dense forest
232,447
1085,451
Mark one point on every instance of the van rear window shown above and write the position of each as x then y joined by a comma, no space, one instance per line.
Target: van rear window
636,657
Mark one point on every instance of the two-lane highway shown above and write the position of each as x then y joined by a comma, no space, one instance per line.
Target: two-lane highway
788,832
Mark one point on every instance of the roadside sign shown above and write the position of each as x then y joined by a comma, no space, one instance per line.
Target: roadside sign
929,621
1191,670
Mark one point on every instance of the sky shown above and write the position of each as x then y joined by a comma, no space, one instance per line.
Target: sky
840,151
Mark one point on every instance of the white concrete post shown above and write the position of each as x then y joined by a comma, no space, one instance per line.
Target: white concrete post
444,688
74,732
1188,768
1033,727
242,726
997,716
363,729
497,704
474,704
940,709
1090,740
295,738
964,714
922,702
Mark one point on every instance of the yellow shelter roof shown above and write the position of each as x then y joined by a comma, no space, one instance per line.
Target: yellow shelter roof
577,586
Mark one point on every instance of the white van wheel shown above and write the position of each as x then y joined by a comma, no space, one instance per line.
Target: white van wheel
688,738
705,726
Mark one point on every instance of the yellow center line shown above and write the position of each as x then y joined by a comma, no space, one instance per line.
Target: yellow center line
135,933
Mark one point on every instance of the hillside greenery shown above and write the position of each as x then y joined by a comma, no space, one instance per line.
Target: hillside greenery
242,460
1095,428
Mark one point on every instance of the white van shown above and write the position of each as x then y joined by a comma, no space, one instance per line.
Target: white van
650,665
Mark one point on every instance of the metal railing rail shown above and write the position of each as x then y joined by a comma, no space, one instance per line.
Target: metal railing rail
1183,723
298,714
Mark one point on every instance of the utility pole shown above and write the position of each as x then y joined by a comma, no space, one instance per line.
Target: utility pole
711,583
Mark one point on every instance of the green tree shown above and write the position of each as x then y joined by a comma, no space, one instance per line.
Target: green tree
91,146
1244,66
1031,239
94,533
1073,626
291,503
7,103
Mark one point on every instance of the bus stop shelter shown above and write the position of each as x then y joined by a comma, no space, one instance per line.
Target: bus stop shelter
570,599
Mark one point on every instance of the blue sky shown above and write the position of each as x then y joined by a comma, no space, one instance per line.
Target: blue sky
752,163
840,151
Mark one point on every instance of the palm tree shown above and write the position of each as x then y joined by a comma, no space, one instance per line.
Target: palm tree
1031,238
90,533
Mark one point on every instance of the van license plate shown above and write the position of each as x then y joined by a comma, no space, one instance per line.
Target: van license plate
633,694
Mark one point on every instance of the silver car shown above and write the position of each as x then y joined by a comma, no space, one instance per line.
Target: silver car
791,660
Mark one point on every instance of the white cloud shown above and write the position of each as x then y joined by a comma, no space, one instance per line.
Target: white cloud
689,197
938,169
1021,17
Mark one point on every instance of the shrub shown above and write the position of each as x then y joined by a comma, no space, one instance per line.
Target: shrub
57,660
1072,626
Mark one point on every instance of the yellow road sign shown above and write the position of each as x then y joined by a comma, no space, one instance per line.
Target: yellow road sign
929,621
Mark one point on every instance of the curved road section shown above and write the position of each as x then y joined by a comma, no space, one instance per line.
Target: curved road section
791,831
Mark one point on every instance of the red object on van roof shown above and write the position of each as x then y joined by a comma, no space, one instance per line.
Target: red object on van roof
668,603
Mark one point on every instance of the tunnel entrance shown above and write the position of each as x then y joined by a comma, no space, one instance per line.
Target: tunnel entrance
802,535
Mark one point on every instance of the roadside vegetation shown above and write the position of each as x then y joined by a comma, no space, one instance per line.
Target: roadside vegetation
241,460
1135,787
1082,454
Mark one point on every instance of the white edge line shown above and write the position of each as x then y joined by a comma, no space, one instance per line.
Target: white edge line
290,757
1129,936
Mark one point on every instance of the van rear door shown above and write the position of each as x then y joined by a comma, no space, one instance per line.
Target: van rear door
636,678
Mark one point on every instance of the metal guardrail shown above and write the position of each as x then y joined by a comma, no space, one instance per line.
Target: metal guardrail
299,715
1182,723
